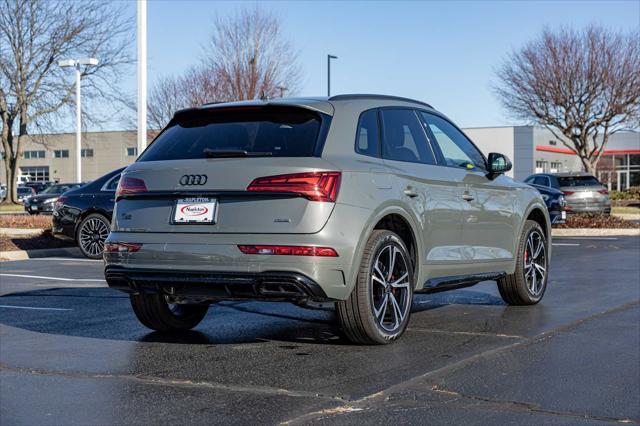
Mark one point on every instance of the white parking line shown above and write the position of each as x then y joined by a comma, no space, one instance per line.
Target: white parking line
585,238
33,308
565,244
66,259
51,278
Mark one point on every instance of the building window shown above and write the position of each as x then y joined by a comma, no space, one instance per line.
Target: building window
32,154
88,152
556,166
61,153
36,174
132,152
542,166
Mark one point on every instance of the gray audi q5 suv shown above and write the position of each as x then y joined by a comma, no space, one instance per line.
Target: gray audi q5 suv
361,200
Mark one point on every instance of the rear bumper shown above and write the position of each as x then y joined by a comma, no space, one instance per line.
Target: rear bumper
272,285
592,208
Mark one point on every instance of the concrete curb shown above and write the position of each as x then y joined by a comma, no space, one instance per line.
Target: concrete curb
627,216
32,254
20,232
594,232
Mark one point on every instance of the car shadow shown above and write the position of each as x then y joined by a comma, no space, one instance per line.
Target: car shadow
103,313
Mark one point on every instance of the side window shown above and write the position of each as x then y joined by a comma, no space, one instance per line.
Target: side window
541,180
456,149
112,185
368,137
529,179
404,138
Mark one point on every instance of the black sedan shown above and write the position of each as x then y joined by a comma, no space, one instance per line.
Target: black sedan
84,214
555,202
43,202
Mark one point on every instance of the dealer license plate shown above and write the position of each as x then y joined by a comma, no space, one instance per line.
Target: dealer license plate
195,210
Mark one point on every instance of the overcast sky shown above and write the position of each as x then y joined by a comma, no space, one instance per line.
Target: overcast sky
444,53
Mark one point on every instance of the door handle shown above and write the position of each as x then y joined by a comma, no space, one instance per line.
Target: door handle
467,197
410,192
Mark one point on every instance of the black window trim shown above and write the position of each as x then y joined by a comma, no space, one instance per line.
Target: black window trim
108,182
440,157
381,133
379,147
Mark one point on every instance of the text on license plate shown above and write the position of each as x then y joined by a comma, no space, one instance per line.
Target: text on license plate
195,210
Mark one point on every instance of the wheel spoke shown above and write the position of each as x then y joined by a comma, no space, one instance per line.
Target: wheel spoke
392,262
402,282
382,309
397,312
539,249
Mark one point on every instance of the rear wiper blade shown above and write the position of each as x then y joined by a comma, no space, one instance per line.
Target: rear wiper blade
228,153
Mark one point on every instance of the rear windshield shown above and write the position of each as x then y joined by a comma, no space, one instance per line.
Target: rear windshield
578,181
261,131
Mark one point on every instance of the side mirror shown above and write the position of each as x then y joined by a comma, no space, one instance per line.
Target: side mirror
498,164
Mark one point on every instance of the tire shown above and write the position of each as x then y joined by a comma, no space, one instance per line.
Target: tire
369,315
91,234
155,312
528,283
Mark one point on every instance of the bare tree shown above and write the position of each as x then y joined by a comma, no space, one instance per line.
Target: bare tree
581,85
247,58
34,91
251,57
197,86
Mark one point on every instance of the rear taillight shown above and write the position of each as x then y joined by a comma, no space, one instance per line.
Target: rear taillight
568,192
115,247
289,250
604,191
316,186
60,202
130,185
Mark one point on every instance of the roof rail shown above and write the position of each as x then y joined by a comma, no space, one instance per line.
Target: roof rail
368,96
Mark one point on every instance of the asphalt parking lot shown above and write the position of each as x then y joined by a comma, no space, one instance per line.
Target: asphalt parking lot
72,352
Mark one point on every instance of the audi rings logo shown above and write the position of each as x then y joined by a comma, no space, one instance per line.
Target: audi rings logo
186,180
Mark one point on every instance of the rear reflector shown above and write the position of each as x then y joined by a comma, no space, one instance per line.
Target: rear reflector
603,191
568,192
290,250
316,186
130,185
115,247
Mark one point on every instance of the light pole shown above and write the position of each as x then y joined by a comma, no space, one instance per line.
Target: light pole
142,75
76,63
329,58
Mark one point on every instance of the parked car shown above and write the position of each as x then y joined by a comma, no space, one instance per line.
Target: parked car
3,191
361,200
44,201
38,187
24,191
84,214
554,199
583,192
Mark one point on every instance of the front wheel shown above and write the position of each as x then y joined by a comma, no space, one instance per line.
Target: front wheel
527,284
157,313
378,309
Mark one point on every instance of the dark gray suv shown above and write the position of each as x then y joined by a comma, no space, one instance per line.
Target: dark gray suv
357,200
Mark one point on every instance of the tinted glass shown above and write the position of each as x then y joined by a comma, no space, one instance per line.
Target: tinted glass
578,181
541,180
59,189
403,137
280,132
24,191
456,149
368,136
112,185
